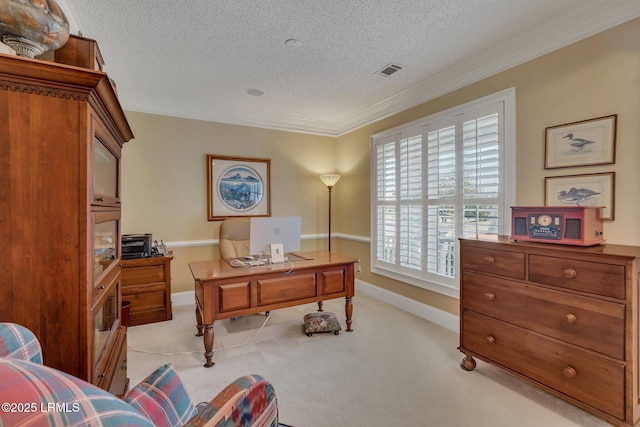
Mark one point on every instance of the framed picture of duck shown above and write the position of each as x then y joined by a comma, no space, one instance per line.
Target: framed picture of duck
594,189
584,143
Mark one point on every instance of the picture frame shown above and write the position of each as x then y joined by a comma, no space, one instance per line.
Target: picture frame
583,143
238,187
595,189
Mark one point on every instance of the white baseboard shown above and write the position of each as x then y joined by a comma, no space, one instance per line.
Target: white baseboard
427,312
183,298
437,316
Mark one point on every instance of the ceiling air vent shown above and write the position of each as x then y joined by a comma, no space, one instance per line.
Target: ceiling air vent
389,70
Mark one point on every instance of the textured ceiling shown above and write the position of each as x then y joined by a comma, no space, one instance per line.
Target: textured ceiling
198,58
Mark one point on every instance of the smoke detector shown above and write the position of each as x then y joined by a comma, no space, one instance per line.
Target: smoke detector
389,69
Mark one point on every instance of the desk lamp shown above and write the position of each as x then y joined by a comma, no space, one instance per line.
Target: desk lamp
330,180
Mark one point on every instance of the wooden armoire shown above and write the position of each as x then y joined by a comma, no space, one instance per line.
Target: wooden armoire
61,134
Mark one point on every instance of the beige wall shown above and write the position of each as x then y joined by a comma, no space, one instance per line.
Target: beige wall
596,77
164,174
164,168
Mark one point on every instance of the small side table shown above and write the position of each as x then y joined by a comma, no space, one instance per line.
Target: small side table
146,283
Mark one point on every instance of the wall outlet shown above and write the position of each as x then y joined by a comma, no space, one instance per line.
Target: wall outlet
359,269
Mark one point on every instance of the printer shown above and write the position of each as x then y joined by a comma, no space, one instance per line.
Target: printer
136,246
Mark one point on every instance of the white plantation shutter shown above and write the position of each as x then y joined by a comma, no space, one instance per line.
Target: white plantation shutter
481,185
437,179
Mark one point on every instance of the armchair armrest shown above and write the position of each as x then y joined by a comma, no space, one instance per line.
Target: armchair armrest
18,342
248,401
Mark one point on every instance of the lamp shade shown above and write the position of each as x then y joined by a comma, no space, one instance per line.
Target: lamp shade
330,179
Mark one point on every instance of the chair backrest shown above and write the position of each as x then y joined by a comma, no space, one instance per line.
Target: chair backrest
18,342
234,237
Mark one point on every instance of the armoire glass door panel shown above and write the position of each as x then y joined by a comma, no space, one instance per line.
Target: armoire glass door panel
105,174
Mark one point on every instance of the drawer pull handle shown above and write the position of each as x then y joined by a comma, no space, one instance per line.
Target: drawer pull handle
571,318
489,260
490,339
569,372
570,273
490,296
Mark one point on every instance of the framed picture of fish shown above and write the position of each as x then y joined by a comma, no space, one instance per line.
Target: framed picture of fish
238,186
594,189
584,143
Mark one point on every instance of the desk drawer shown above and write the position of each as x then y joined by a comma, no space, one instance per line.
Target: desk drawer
586,377
593,277
234,296
588,322
286,288
492,261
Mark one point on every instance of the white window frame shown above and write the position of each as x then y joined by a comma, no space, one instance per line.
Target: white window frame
433,282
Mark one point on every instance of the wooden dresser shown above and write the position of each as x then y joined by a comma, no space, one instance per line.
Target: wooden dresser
61,134
146,284
564,318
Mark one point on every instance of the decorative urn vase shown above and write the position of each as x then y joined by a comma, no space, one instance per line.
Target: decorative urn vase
32,27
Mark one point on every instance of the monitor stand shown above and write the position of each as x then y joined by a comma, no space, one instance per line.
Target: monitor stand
277,253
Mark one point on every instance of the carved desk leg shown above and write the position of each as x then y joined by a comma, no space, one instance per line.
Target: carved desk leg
348,309
468,363
199,324
208,345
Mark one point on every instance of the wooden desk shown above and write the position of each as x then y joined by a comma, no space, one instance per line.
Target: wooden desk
223,291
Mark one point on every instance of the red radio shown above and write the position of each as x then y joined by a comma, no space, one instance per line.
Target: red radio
565,225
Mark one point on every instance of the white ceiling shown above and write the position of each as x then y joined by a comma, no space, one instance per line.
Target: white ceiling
198,58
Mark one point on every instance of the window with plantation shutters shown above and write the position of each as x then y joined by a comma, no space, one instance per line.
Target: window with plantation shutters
438,179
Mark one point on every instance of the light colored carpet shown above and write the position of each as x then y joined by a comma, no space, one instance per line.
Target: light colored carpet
395,369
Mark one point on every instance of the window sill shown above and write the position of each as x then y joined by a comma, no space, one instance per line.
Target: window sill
449,290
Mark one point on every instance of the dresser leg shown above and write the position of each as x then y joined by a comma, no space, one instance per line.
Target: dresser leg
468,364
208,345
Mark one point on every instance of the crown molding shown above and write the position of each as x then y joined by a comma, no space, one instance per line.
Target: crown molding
554,34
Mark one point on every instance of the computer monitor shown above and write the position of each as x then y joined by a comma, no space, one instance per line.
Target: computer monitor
266,231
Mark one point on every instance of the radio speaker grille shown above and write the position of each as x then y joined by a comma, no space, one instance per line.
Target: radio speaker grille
572,230
520,226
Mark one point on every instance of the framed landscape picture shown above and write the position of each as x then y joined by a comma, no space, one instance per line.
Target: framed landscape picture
237,186
596,189
589,142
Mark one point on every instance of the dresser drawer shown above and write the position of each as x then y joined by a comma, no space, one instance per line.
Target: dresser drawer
502,263
588,322
588,378
593,277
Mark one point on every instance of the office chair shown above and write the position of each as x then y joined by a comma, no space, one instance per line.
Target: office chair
234,237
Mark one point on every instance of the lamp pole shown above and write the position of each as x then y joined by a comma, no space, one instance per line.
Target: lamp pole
330,180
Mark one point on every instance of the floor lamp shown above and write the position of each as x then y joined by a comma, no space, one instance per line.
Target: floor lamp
330,180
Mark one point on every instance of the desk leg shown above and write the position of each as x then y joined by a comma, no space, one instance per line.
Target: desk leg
208,345
199,324
348,309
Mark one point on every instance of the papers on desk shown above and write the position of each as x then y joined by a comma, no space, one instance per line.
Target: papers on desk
237,262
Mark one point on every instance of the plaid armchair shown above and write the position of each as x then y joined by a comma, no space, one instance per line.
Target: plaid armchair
33,394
